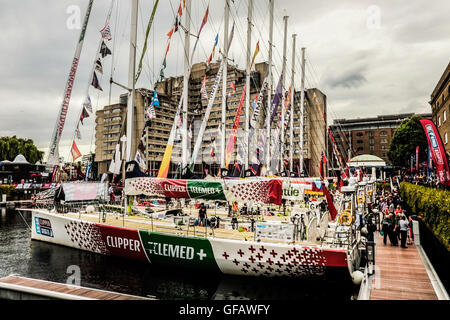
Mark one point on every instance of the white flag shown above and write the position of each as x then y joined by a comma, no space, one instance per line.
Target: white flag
87,104
78,133
140,160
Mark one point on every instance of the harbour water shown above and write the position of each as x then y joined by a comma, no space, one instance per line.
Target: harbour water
20,255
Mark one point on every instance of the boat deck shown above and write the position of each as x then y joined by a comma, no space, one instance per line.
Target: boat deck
165,226
400,274
20,288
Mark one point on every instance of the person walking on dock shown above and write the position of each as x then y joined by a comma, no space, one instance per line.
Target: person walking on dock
404,226
385,228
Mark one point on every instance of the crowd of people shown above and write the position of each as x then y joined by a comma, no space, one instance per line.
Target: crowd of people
395,224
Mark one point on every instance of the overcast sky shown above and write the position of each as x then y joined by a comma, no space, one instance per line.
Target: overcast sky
369,57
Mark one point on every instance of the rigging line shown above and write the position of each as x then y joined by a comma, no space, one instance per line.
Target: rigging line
252,79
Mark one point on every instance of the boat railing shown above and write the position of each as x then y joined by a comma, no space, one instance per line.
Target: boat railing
340,236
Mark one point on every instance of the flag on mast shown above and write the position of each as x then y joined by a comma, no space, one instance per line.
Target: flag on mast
254,54
87,104
104,50
84,114
106,32
75,151
205,19
95,82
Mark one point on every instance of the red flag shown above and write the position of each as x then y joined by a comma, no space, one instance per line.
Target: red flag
275,191
74,151
205,19
331,207
232,85
170,33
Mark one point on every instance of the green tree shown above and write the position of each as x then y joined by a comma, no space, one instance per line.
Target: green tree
406,138
10,147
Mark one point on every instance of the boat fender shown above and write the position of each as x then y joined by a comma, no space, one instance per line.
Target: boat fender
357,277
214,222
364,231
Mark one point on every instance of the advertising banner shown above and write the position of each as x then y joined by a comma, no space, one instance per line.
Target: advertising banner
437,151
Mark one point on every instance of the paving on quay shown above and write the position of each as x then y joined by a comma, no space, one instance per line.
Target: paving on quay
400,274
16,287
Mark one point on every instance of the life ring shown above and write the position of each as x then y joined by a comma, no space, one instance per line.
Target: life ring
346,217
312,206
361,199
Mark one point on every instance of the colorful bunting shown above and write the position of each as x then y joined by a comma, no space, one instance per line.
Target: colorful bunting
98,66
87,104
254,54
205,19
106,32
104,50
84,114
95,82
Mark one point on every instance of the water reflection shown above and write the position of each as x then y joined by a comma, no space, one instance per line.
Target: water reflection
41,260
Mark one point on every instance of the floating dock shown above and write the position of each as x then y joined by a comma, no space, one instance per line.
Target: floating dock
15,287
404,274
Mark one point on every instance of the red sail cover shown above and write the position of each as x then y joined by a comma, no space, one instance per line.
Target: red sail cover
331,207
437,151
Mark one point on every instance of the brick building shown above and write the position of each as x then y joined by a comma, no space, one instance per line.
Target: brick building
440,107
365,136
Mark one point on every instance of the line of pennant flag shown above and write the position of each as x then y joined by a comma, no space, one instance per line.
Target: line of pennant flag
87,104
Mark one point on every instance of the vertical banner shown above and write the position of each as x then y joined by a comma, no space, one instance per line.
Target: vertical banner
437,152
53,155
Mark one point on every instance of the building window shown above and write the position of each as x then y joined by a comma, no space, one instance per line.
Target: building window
445,138
372,141
439,121
359,134
359,141
383,133
383,147
372,148
384,141
445,115
371,134
359,149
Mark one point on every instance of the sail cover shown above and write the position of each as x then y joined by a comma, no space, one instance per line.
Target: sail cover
256,191
85,191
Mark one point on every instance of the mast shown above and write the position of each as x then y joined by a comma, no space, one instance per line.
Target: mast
302,116
224,84
269,86
53,155
283,70
187,28
291,118
131,83
247,81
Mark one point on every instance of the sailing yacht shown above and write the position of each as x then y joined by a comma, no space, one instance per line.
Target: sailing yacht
271,242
